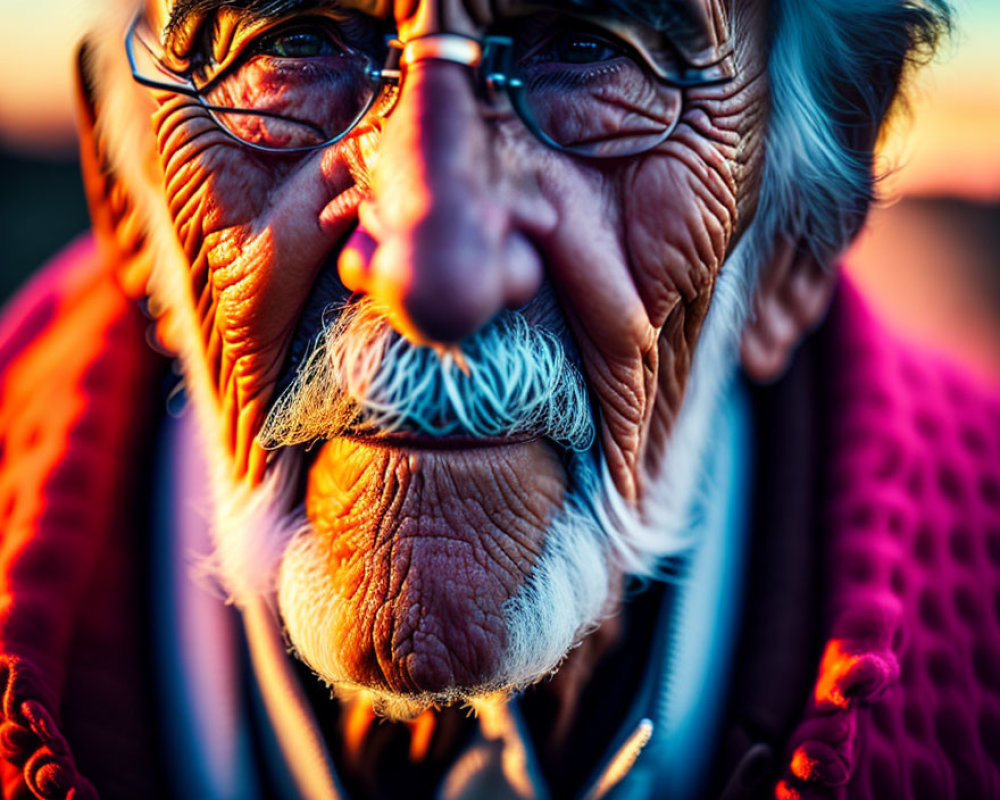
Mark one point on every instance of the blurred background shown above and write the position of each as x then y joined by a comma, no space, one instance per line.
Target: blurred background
929,258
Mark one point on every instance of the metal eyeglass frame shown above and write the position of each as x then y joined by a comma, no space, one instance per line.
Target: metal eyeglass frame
489,57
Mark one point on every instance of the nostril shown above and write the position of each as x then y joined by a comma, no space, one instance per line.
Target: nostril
524,271
448,301
442,279
354,261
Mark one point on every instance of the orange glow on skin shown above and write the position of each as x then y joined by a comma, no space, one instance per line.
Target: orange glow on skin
335,489
421,731
360,717
836,663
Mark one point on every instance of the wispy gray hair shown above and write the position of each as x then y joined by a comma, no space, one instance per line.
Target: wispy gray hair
835,69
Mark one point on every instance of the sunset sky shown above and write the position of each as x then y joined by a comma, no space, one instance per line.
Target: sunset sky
952,143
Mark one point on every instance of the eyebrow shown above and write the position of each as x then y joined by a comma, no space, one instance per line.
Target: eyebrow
694,27
680,17
675,16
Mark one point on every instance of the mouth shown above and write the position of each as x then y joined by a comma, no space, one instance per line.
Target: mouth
415,441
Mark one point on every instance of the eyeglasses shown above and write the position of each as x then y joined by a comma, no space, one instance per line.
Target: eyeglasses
306,84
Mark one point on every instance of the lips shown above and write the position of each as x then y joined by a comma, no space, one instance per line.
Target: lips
423,442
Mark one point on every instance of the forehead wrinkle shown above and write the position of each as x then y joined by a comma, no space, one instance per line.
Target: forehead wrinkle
675,16
182,11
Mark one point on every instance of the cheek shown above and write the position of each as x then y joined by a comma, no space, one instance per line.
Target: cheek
678,218
248,225
709,172
217,197
635,269
210,182
588,265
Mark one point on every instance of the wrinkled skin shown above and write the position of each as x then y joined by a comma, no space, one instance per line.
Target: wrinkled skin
445,218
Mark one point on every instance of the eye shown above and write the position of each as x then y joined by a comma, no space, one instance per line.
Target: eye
310,41
552,39
584,48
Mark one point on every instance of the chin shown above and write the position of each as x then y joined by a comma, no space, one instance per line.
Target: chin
441,571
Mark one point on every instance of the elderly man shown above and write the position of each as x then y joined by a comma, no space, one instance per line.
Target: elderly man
458,292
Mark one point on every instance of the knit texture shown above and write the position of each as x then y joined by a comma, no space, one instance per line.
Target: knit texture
907,699
74,394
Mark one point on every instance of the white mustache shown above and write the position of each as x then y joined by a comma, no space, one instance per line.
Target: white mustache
515,379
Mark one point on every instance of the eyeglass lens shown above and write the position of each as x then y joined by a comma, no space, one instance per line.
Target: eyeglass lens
589,94
293,103
579,88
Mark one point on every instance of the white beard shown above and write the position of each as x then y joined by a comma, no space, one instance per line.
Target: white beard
565,596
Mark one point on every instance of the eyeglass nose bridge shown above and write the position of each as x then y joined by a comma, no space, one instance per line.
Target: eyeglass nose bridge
488,58
453,47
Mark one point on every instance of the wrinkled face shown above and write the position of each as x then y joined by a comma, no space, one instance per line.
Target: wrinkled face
497,316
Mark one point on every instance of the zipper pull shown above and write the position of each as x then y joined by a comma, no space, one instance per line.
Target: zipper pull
619,766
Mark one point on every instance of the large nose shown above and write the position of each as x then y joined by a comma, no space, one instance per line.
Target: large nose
445,238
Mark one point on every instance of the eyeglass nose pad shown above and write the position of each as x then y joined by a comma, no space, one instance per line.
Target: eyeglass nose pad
494,73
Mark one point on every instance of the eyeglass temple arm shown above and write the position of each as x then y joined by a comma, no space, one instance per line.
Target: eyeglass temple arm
137,76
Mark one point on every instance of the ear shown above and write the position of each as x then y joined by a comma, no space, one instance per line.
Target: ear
116,224
793,293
